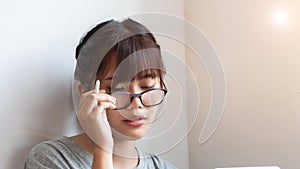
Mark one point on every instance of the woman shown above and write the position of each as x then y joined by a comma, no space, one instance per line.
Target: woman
119,80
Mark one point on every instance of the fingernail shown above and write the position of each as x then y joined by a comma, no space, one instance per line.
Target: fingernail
97,86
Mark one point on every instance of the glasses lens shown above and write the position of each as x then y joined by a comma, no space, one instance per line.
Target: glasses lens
153,97
122,99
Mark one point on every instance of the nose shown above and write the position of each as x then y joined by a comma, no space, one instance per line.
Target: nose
136,103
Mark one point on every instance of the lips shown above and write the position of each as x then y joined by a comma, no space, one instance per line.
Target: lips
135,123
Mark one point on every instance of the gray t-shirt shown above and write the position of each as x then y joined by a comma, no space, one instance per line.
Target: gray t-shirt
63,153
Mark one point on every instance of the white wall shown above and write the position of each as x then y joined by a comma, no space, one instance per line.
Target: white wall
260,57
37,59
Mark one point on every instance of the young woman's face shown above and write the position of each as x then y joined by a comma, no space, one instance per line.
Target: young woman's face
133,121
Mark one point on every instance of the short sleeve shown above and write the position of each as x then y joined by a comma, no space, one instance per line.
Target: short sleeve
45,156
151,161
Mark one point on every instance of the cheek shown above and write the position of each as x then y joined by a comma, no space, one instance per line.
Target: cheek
113,116
156,113
152,113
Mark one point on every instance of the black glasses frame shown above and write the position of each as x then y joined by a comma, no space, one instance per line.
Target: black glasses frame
139,95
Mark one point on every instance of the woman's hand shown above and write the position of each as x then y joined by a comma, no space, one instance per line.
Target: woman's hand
92,116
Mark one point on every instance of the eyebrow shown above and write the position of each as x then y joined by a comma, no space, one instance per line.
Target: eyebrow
141,78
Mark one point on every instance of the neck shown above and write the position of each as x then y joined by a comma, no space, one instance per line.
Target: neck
125,148
125,154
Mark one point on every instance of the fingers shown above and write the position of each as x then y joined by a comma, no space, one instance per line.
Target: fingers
97,86
96,99
93,101
92,115
95,111
100,109
98,94
101,96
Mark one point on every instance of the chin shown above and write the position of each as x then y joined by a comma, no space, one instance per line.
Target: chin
133,134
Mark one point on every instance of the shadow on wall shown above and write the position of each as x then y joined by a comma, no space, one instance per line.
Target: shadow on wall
51,117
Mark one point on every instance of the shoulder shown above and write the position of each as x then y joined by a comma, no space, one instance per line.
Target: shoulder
56,153
44,154
151,161
50,146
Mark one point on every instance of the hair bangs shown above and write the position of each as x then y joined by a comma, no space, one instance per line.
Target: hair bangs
138,57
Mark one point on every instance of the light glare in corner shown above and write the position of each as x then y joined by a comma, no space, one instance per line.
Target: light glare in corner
280,16
276,22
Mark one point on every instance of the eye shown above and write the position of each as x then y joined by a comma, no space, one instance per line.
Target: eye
147,86
148,83
118,89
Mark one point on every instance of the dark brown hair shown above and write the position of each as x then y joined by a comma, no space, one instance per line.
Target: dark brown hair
114,43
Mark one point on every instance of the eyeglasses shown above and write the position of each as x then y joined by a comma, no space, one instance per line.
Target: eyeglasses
149,98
